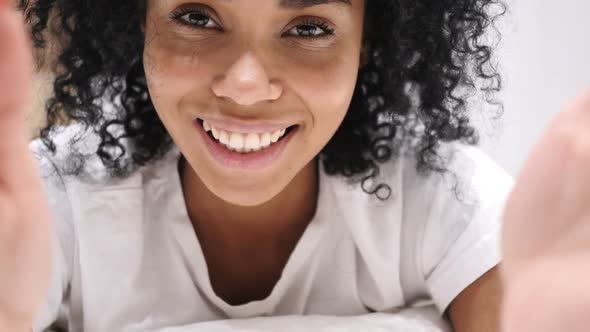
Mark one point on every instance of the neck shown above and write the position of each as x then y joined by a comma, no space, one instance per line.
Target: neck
217,220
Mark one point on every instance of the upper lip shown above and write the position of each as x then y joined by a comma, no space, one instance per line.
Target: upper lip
235,125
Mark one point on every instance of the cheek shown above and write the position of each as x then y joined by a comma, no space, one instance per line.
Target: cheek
172,73
327,92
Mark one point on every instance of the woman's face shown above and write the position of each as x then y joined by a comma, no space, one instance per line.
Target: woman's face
252,90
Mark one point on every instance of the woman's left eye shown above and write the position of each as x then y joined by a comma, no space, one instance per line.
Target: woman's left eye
311,29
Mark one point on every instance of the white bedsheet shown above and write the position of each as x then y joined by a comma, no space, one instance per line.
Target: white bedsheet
425,319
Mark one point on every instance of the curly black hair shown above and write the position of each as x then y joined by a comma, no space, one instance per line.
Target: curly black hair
425,58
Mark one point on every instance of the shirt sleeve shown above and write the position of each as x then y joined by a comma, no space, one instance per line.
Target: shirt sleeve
62,243
461,239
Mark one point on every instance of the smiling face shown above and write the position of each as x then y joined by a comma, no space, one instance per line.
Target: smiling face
252,90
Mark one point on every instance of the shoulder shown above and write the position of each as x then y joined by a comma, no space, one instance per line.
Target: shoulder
424,204
74,188
465,200
467,172
433,212
438,206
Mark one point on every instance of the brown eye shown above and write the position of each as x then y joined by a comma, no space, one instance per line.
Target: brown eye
195,19
308,30
311,29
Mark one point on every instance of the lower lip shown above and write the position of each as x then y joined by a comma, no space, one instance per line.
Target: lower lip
253,160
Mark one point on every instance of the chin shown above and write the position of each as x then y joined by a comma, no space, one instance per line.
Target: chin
247,196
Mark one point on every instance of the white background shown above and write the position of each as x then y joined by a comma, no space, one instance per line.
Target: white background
544,57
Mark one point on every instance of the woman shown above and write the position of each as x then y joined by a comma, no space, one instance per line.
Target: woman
239,158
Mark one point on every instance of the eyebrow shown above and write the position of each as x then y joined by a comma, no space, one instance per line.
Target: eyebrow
297,4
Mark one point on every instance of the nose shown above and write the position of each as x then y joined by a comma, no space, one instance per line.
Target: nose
246,82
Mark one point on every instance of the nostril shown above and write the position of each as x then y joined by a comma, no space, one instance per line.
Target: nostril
247,91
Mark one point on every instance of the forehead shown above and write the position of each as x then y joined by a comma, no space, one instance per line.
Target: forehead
309,3
295,4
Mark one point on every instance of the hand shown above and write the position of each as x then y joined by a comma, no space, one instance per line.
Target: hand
25,230
546,236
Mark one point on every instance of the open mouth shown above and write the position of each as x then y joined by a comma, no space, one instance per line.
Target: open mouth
245,143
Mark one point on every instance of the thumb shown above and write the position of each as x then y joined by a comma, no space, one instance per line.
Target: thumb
16,69
16,72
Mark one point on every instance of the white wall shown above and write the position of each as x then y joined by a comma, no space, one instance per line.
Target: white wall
545,61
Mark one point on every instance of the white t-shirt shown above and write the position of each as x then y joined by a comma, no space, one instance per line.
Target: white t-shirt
126,256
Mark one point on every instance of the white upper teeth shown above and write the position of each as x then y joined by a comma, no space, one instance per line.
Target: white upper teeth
244,143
